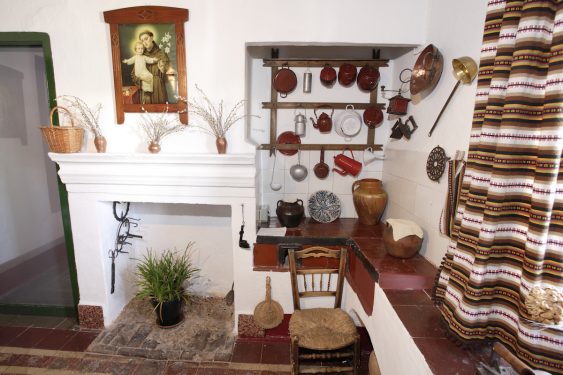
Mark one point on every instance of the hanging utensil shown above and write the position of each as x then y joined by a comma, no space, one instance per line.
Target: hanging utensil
321,169
298,172
242,243
274,187
269,313
465,70
307,81
300,122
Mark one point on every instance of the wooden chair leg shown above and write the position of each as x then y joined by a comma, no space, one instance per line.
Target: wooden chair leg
294,355
357,356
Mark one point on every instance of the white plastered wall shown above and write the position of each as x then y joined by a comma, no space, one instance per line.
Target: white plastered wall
456,31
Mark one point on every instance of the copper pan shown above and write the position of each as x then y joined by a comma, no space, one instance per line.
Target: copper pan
427,71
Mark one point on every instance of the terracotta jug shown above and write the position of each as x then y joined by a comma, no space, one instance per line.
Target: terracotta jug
369,200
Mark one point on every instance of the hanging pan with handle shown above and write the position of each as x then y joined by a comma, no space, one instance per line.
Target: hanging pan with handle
284,81
269,313
321,169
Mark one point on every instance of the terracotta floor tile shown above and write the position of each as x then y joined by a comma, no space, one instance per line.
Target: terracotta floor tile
215,371
280,331
275,353
443,356
25,360
183,368
247,352
80,341
407,297
9,334
46,321
56,339
421,321
30,337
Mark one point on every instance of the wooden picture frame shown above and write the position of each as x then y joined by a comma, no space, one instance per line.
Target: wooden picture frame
149,59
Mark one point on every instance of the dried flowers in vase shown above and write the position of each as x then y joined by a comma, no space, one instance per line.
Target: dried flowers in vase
156,127
216,122
87,117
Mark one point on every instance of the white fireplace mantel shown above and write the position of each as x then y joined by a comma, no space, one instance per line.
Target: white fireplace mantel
92,180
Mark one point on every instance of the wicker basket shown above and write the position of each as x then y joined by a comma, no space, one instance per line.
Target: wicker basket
62,139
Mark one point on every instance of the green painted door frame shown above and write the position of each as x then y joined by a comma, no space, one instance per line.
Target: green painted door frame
35,39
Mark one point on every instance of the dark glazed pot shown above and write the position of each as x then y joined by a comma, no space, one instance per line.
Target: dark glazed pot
290,214
169,313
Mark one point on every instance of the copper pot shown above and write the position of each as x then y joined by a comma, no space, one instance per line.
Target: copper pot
346,74
284,81
368,78
328,76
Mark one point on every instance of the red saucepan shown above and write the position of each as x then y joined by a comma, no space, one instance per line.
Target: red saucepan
284,81
321,168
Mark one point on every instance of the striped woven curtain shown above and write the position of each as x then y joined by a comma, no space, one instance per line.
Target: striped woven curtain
507,238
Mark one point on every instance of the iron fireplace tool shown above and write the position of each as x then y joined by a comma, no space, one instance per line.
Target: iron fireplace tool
242,243
405,129
123,234
396,130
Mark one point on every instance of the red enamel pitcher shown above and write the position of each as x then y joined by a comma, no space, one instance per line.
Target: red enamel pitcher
348,165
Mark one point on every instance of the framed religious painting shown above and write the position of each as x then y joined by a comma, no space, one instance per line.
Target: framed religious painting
149,59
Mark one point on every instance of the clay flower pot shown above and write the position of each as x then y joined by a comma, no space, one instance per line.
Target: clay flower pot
221,144
154,147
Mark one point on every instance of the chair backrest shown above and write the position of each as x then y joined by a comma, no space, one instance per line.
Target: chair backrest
315,267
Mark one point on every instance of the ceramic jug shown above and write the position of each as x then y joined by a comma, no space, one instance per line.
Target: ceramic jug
369,200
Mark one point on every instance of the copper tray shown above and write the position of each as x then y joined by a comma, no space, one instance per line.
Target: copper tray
288,138
427,71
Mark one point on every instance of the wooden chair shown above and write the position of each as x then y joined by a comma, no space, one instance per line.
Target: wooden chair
322,339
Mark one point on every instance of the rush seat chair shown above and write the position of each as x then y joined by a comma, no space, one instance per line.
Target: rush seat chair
323,340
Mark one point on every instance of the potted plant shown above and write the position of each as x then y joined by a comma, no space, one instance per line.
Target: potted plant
88,117
156,127
163,279
216,120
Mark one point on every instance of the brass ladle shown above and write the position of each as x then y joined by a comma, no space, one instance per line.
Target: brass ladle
465,70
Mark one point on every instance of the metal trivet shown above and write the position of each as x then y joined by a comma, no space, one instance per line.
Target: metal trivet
123,234
436,163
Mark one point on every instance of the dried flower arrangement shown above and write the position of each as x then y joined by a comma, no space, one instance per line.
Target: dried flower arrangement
87,117
157,127
216,123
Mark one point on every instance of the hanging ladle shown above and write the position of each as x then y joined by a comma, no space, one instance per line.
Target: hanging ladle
274,187
465,70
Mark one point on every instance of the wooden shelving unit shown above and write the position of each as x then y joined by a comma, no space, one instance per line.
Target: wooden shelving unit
273,105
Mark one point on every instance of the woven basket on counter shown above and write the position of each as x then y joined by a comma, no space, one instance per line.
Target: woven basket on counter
62,139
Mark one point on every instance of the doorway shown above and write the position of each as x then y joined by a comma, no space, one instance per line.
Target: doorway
37,274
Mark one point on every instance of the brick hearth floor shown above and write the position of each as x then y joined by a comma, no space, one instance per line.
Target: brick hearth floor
52,345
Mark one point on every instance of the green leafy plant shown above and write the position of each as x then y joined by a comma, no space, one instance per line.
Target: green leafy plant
163,276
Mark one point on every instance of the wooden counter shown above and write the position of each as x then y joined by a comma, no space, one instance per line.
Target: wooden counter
407,284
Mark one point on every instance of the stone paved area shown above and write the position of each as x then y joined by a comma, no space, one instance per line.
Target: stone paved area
205,334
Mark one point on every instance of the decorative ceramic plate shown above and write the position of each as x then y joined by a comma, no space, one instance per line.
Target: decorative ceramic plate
324,206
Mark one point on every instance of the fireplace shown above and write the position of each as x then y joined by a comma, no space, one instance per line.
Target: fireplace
167,190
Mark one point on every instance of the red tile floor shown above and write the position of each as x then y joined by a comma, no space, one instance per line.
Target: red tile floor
52,345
